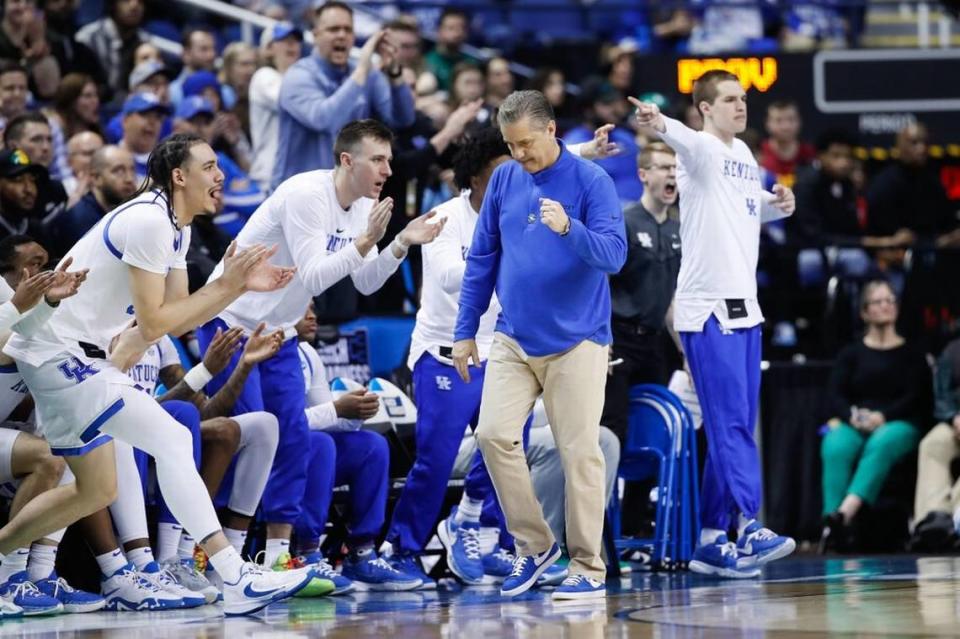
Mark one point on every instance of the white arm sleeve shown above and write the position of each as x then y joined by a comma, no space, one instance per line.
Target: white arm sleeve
322,416
377,267
687,143
446,256
9,315
308,243
321,413
575,148
31,321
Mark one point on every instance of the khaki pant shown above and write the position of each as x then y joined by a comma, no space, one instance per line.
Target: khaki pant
935,487
572,384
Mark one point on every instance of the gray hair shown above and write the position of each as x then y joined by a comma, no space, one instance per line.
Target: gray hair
529,104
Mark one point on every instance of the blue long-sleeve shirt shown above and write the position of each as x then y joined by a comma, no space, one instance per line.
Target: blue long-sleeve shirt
553,290
318,99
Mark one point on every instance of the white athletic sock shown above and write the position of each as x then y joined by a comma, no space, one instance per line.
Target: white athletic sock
13,563
111,562
227,563
168,539
275,548
468,510
43,559
187,544
140,557
742,524
709,536
237,538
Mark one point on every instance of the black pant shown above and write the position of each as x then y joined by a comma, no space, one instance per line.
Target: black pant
644,362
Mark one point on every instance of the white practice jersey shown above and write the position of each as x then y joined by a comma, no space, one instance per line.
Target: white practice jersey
721,204
139,233
321,414
444,261
146,372
314,234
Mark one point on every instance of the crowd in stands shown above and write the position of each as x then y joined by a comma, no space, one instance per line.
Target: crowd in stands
82,107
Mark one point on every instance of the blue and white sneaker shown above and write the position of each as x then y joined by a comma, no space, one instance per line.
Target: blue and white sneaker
409,564
128,590
758,546
580,587
374,573
9,610
341,585
498,565
258,587
720,559
185,573
163,579
21,592
462,543
73,599
527,569
553,576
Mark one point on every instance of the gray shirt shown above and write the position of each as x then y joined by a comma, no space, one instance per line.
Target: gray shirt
641,292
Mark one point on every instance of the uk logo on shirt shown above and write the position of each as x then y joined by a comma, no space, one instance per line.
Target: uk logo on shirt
645,240
444,383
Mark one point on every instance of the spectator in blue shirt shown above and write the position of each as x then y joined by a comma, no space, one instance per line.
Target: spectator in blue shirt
604,104
325,90
113,180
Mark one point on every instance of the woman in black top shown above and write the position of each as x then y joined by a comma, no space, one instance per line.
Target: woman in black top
881,402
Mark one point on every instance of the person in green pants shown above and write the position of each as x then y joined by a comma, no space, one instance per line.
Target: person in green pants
881,402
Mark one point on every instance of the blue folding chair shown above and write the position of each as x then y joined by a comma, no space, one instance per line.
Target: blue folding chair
661,440
649,451
689,484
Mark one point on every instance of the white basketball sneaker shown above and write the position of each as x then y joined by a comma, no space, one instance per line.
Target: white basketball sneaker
127,589
257,588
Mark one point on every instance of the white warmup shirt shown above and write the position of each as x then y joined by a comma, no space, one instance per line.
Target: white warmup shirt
264,123
138,233
721,205
321,413
444,261
25,323
314,234
146,372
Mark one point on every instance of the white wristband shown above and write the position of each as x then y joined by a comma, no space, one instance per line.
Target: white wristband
197,377
404,247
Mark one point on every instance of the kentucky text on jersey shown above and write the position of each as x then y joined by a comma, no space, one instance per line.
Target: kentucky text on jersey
741,170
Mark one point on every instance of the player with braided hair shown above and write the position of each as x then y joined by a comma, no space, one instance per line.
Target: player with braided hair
135,294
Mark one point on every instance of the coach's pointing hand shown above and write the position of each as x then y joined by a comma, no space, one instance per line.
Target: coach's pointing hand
463,351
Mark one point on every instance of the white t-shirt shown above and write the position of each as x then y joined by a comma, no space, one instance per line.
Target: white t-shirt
321,413
721,205
313,233
264,123
146,372
444,261
138,233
